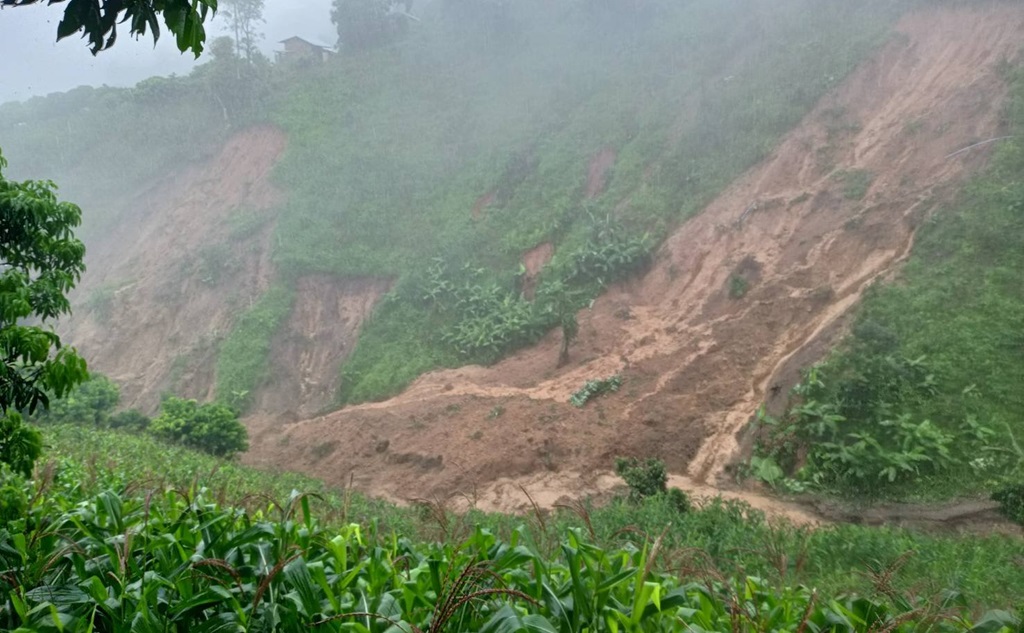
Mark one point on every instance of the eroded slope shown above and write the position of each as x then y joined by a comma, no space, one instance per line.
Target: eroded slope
739,298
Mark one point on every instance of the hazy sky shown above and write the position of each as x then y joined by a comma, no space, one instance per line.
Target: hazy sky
34,64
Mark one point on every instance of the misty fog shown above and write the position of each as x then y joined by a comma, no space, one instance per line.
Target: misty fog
34,63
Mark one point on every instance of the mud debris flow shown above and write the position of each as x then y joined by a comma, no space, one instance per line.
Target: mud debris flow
697,362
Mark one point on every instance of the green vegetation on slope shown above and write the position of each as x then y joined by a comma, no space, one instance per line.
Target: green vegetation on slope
114,150
725,539
925,398
391,150
67,138
242,362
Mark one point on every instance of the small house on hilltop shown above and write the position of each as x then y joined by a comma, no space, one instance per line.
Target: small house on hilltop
299,49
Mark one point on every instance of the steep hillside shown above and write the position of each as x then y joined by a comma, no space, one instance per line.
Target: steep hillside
833,208
493,186
169,280
419,208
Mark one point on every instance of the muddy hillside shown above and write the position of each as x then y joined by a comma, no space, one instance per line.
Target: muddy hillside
833,209
739,298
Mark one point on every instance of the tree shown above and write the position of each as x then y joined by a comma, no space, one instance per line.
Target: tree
239,86
243,16
40,262
97,20
91,403
366,24
213,428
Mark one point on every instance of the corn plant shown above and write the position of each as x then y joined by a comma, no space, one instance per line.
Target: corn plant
171,560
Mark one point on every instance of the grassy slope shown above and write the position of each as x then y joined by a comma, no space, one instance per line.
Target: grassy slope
390,151
99,143
958,306
736,539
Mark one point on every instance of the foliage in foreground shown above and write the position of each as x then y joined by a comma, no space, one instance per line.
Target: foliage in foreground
182,18
174,561
40,262
732,539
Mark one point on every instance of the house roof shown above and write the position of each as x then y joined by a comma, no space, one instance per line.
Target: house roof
302,39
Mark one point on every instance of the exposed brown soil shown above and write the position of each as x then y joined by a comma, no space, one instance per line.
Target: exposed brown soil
534,261
157,297
317,337
696,361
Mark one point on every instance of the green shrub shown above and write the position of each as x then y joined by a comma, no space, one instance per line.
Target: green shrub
90,403
738,286
645,479
20,444
593,388
130,420
1011,502
211,428
13,500
856,183
848,432
680,500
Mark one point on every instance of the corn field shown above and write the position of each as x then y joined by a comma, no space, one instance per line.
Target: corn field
172,560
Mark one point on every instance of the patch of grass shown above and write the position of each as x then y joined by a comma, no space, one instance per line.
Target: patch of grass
856,183
101,300
245,223
738,286
913,128
214,262
244,357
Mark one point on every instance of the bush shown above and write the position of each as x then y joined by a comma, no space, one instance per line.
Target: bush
645,479
13,501
20,444
130,420
738,286
680,500
593,388
211,428
1011,502
90,403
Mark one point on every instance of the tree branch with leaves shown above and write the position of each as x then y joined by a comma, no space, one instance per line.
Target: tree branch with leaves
40,262
98,20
